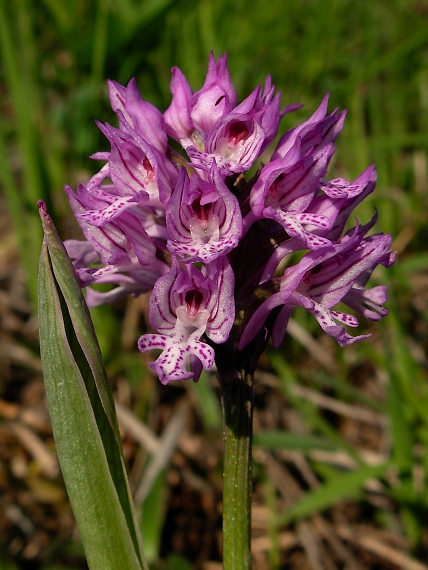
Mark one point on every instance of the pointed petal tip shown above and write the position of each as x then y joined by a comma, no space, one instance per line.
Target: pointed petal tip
132,83
290,108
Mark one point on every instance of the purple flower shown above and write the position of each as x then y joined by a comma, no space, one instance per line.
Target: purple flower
227,257
177,117
121,252
138,173
216,98
203,218
147,121
340,197
194,115
314,133
238,138
185,304
324,277
121,241
285,190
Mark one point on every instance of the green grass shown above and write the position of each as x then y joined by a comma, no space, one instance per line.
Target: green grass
373,59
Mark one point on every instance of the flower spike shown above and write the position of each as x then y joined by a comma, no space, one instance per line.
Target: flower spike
227,256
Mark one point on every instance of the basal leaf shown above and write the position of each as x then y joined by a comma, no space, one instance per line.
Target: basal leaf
82,412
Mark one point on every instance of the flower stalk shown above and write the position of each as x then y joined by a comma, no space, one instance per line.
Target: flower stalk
237,432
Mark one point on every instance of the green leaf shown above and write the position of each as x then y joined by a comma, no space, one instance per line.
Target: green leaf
208,402
83,415
284,440
338,487
153,513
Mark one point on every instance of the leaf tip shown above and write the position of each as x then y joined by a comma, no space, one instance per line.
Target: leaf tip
47,222
44,216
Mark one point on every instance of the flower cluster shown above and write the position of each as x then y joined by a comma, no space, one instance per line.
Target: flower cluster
227,259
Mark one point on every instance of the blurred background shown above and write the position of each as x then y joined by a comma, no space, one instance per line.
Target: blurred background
340,459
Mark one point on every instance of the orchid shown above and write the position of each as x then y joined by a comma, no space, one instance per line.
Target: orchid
227,255
184,305
210,243
191,116
323,278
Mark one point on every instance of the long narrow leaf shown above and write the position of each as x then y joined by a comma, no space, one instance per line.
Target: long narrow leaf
82,413
341,486
283,440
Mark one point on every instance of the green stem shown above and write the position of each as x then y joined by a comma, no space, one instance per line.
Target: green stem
238,418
